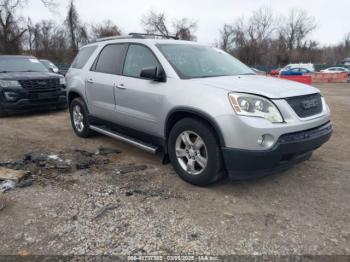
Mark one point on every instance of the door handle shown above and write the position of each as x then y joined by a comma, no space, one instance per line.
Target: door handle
120,86
91,81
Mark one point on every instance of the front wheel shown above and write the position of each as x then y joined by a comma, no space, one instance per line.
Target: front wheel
195,153
79,118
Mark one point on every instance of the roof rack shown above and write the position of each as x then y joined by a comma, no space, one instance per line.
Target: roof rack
135,36
113,38
142,35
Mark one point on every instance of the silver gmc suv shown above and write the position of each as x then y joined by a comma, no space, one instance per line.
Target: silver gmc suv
210,114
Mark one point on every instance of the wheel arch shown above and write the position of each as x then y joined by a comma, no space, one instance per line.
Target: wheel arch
72,94
177,114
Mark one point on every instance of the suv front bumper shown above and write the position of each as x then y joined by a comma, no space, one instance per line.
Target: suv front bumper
289,150
28,102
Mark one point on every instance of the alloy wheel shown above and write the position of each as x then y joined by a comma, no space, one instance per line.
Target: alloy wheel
191,152
78,118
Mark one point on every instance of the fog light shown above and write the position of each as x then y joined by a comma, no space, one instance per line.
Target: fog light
11,96
266,141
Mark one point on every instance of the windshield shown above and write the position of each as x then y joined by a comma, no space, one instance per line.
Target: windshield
21,64
194,61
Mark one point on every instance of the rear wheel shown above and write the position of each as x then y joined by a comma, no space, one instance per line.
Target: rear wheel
79,118
195,153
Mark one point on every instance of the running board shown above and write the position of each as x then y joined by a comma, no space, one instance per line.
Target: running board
137,143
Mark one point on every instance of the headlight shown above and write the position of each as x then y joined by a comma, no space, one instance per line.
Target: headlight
9,83
62,81
256,106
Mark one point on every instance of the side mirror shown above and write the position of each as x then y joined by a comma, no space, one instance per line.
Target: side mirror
54,70
154,73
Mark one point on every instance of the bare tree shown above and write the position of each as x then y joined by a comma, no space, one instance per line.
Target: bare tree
156,23
105,29
347,41
226,40
297,28
184,29
30,35
264,39
76,31
11,32
249,39
261,24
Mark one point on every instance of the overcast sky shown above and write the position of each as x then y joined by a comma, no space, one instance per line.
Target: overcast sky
332,17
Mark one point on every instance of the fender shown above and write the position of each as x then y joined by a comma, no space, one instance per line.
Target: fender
198,113
76,91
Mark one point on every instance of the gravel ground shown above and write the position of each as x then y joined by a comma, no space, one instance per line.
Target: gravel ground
85,200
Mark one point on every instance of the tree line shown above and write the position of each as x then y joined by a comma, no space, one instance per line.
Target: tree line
262,39
268,39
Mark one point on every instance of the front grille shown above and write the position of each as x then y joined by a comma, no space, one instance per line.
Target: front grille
41,85
305,106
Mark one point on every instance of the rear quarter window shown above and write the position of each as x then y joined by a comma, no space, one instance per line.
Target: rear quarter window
83,56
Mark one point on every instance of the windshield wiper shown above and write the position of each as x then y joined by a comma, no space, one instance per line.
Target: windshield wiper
210,76
4,71
29,71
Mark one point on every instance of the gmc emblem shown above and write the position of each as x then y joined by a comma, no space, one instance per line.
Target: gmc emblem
311,103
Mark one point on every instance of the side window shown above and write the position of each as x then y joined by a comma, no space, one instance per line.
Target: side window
110,60
83,56
138,58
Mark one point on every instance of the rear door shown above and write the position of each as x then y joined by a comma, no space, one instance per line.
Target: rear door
103,77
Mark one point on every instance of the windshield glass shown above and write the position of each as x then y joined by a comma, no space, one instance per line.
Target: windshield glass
21,64
194,61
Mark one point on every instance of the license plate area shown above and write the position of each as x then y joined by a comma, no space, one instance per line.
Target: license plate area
46,95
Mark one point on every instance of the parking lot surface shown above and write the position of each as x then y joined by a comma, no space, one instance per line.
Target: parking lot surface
100,196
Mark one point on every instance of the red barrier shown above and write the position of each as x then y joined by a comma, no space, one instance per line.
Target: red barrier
330,77
301,79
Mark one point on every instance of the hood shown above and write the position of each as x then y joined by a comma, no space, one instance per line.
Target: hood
270,87
28,75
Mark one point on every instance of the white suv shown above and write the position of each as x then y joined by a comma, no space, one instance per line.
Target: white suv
210,114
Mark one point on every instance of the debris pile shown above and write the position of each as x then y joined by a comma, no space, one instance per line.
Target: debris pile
36,165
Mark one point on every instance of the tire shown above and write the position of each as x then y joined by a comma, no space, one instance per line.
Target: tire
190,164
2,112
80,118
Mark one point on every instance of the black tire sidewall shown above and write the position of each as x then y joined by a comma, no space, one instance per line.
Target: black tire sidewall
86,131
213,171
3,113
